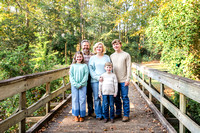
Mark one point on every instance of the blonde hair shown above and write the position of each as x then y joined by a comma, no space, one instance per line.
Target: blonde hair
108,64
96,45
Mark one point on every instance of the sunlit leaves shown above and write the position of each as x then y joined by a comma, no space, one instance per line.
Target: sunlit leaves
176,29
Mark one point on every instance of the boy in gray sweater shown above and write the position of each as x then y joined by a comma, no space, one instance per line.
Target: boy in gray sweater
108,90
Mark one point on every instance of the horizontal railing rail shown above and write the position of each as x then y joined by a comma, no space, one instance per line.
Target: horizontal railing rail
185,87
19,85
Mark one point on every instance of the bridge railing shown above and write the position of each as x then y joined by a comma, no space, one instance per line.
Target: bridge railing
185,87
19,85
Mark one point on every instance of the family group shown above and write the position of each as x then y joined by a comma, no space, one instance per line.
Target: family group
96,75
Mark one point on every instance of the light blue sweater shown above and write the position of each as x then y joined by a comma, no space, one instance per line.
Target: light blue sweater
79,75
96,67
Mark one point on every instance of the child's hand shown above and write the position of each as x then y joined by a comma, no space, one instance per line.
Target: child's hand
115,95
126,83
100,95
80,87
101,79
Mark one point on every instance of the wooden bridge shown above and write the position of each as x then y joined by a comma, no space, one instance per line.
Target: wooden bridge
144,115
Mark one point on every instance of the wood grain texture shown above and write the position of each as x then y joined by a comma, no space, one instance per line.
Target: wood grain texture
190,88
185,120
19,85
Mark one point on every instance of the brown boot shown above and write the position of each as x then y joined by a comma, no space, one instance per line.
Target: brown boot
118,116
125,119
105,120
76,119
81,119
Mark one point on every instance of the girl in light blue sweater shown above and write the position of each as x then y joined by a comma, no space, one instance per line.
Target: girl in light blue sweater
78,78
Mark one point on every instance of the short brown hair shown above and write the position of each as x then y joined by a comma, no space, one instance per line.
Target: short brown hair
108,64
116,41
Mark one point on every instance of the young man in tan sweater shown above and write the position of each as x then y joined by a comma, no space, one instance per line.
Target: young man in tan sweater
122,68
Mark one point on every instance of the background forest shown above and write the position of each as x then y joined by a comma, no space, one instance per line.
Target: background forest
36,36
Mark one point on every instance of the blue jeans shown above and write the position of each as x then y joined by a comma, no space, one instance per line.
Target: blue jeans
89,97
78,101
122,92
108,100
97,100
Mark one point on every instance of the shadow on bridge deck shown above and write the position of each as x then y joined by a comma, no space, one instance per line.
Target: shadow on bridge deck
142,119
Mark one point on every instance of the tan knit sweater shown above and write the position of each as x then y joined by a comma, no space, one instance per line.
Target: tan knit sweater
121,66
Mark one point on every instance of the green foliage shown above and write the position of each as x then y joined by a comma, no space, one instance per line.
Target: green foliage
43,58
8,106
175,33
14,62
34,34
13,32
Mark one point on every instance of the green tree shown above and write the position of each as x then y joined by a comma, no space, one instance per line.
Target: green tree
175,33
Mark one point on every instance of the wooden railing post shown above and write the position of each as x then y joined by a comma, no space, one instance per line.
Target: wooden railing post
22,106
64,84
162,95
183,110
150,95
143,80
47,93
138,74
177,83
134,78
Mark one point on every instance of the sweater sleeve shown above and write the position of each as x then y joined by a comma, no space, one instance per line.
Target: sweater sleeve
128,64
72,79
115,84
112,63
92,69
100,87
85,78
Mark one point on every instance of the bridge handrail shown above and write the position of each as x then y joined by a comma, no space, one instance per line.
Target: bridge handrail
20,84
186,87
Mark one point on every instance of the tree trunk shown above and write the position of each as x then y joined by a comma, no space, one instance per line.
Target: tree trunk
66,52
81,19
119,29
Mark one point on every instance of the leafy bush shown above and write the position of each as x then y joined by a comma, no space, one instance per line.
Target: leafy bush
175,33
43,58
14,62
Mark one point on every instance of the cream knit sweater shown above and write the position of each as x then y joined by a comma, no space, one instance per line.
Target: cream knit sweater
121,66
109,86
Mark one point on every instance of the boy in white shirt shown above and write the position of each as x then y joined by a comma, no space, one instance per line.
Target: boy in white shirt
108,90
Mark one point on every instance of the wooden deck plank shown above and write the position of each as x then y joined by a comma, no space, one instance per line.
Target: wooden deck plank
142,119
